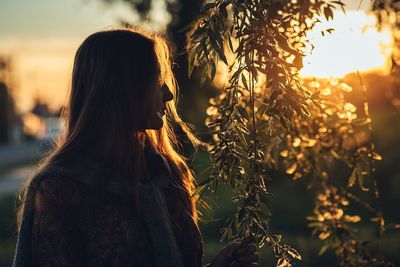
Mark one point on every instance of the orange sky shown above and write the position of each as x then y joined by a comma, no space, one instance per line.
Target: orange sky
41,69
42,36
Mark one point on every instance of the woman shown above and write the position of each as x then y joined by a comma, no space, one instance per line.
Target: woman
114,192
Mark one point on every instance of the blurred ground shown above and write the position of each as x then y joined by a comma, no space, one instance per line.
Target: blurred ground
16,163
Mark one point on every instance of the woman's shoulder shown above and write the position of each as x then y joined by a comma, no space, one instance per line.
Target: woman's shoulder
47,192
79,173
56,177
53,187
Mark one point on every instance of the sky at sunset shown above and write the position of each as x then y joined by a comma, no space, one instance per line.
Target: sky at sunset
42,36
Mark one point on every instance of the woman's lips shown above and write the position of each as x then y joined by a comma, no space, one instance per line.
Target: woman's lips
161,113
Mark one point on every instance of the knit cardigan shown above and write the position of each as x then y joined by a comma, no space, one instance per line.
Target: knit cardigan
153,211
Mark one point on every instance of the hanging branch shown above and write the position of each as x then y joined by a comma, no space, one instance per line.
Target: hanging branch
262,44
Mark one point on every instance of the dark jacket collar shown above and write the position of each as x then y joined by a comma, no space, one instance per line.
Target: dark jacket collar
90,172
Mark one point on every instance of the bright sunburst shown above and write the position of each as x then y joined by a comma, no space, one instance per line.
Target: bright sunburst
355,45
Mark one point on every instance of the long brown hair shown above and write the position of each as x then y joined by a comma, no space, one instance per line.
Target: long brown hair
110,90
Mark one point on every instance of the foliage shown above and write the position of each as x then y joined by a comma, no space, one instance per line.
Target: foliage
267,117
334,133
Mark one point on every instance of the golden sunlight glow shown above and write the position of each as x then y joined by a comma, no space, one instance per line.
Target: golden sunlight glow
354,45
41,70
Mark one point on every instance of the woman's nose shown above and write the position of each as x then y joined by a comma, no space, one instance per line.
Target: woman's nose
168,96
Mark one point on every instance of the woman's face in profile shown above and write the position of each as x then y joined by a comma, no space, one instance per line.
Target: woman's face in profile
159,100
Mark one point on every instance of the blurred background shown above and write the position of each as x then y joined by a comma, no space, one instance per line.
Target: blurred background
38,40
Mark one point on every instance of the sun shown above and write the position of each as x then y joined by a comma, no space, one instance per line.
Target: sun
356,44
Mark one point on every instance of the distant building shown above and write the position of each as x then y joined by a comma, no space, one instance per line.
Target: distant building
42,124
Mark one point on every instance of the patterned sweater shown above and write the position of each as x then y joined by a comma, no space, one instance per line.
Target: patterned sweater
72,226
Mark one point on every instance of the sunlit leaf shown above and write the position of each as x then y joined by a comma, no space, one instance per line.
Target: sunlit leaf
328,13
353,219
352,178
292,168
324,235
376,156
203,75
284,153
282,262
292,252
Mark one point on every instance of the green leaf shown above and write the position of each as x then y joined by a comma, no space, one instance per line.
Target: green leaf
213,70
293,253
197,35
282,262
191,62
218,49
203,76
244,81
353,177
328,13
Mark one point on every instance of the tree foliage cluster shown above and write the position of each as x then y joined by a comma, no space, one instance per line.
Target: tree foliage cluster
267,117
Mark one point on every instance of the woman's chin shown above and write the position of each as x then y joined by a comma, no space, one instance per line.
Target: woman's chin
155,124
